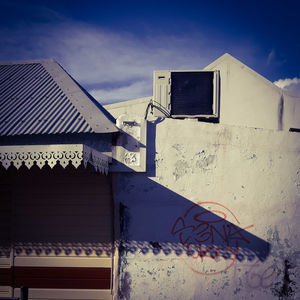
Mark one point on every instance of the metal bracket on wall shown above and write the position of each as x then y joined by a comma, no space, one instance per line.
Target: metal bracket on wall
129,153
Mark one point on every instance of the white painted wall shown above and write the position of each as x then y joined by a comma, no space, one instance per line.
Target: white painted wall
135,107
291,111
249,176
254,173
248,99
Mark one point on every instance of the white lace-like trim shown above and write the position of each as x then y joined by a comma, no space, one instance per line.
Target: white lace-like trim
51,154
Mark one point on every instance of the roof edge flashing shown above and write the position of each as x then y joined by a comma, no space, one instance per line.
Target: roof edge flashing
92,114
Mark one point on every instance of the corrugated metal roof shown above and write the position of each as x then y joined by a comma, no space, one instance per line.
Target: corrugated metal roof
39,97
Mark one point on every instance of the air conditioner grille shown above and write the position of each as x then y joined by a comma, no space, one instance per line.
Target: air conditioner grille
192,93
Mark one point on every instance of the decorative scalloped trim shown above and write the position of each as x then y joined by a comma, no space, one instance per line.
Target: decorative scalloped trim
53,154
58,249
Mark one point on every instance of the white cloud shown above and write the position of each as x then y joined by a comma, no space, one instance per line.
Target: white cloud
271,57
131,91
285,83
292,85
274,59
112,65
96,58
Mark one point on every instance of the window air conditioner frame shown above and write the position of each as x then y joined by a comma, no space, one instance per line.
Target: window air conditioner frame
162,93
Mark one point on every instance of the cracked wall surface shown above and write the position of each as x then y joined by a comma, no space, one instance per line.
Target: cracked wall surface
214,217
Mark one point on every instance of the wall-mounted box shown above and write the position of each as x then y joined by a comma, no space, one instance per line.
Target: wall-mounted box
186,94
129,153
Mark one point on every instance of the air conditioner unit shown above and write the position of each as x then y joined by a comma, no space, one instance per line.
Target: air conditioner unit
186,94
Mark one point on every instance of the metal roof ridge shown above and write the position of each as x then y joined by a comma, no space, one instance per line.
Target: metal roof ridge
93,115
31,101
27,61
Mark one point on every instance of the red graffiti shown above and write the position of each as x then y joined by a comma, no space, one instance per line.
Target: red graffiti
207,230
257,278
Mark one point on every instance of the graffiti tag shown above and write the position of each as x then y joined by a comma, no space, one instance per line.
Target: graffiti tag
210,231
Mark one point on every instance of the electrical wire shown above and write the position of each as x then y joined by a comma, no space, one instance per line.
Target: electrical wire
160,108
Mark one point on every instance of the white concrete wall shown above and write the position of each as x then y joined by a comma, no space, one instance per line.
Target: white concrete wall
250,175
230,187
248,99
135,107
291,111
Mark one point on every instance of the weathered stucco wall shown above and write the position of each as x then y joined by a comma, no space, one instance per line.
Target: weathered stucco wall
240,240
136,106
247,98
291,111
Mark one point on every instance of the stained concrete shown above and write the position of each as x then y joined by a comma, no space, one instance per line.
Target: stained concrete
215,215
249,175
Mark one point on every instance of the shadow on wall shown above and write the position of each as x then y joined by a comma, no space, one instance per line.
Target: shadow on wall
162,221
55,211
154,218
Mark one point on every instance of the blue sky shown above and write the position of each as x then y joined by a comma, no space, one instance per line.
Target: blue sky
112,47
